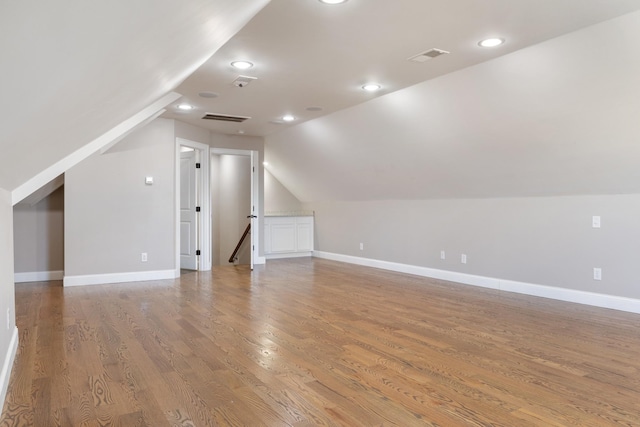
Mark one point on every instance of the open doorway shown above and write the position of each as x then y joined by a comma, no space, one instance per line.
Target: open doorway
38,229
208,245
234,206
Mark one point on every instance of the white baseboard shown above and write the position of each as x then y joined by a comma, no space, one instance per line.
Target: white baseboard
103,279
289,255
7,366
260,260
563,294
38,276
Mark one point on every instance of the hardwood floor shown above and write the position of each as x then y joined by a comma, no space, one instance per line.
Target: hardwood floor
313,342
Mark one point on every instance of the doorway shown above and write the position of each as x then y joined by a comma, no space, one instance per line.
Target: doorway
234,206
38,229
205,236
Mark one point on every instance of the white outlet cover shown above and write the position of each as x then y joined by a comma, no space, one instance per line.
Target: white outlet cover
595,221
463,258
442,255
597,274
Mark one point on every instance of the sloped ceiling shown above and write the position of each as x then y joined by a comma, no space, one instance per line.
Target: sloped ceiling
309,54
558,118
71,70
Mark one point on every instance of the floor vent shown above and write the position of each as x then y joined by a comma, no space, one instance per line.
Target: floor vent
225,118
428,55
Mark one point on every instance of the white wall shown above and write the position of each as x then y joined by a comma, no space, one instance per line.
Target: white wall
277,199
192,133
506,161
545,241
111,216
39,234
105,62
8,332
558,118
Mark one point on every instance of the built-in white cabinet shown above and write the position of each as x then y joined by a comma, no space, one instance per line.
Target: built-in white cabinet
288,236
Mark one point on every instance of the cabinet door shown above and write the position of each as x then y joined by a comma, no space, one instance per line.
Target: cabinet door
283,236
304,230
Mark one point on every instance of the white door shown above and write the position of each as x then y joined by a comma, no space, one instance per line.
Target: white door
253,215
188,216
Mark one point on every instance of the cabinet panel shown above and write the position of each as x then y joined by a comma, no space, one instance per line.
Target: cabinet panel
288,236
305,237
283,238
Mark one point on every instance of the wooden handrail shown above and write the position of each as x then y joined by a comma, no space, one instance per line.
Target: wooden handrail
244,235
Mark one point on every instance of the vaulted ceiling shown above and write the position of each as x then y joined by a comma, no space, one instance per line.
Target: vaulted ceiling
308,55
554,119
72,70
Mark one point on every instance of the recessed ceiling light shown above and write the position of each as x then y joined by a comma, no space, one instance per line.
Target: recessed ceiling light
207,94
314,108
265,163
371,87
491,42
241,65
288,118
241,132
185,107
333,1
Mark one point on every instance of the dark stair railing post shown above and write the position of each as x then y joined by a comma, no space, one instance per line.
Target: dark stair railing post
244,235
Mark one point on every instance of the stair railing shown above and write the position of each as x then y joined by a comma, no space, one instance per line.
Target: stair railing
233,257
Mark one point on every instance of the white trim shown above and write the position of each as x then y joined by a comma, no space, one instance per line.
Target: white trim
562,294
7,366
289,255
134,276
127,133
259,260
38,276
91,147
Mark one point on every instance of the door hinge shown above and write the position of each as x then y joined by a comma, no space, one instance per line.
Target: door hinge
197,208
198,252
254,169
197,165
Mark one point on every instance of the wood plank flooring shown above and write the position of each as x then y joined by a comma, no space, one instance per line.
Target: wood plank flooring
313,342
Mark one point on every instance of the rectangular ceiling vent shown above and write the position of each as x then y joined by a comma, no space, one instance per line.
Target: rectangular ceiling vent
225,118
428,55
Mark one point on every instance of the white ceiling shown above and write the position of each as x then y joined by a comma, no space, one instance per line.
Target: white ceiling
309,54
72,70
554,119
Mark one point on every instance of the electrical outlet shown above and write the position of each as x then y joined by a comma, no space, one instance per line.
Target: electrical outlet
442,255
143,257
597,274
463,258
362,246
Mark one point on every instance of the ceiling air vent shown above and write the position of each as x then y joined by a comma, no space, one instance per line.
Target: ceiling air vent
225,117
428,55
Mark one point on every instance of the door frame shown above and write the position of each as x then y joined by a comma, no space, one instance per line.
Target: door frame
203,196
254,156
